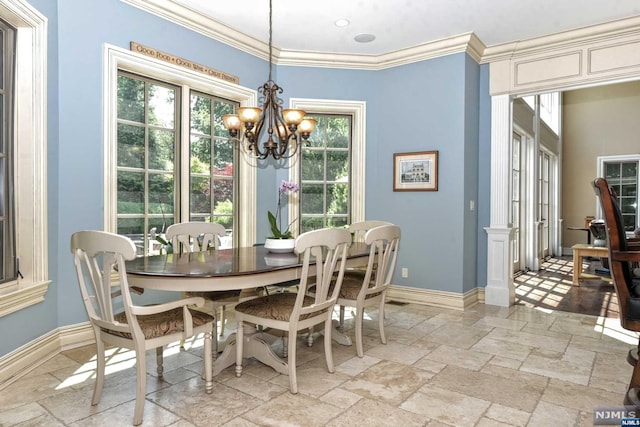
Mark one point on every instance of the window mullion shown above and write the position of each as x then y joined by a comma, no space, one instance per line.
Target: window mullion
183,154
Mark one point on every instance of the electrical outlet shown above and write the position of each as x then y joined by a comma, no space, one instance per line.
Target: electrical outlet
472,205
405,272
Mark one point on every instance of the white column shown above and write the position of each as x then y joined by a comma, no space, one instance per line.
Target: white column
500,289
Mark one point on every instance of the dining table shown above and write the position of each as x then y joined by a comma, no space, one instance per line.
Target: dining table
242,268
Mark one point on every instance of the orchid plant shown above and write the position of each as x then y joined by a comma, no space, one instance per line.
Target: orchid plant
275,221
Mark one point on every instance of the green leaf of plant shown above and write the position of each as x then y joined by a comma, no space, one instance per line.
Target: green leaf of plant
274,227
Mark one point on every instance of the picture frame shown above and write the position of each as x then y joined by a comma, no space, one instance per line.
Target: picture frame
415,171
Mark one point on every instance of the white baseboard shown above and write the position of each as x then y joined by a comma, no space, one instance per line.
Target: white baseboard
434,298
33,354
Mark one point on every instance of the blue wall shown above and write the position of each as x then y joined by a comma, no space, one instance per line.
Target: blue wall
446,99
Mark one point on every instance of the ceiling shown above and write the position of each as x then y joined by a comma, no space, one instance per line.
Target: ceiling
398,24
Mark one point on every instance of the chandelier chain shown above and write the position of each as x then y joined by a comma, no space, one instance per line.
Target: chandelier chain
270,38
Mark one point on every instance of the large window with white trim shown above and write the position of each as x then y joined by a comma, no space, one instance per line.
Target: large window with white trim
8,258
325,174
167,155
27,138
151,160
331,168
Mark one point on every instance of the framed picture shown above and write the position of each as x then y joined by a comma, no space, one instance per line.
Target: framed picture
416,171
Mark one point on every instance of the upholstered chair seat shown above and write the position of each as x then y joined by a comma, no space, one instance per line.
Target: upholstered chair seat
277,306
162,324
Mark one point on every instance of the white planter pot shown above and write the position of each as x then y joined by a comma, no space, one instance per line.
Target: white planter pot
279,245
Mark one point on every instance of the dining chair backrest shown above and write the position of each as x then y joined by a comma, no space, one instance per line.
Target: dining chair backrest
324,253
97,254
359,229
185,236
620,257
384,242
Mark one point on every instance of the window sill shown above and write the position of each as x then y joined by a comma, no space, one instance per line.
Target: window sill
22,297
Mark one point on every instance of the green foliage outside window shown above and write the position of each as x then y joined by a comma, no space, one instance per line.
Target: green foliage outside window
325,170
148,135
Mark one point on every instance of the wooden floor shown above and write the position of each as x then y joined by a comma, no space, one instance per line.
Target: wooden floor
551,288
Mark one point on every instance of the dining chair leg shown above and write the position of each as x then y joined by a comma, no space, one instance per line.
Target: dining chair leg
328,349
221,317
208,361
159,362
215,334
141,384
382,314
239,342
100,367
359,322
310,337
285,346
293,382
342,317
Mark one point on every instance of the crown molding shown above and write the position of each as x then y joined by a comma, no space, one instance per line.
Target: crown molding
468,43
189,18
563,40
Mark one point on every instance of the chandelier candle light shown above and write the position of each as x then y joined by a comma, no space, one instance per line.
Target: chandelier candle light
250,123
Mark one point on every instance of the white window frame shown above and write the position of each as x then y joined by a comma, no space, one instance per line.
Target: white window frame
357,109
116,58
30,154
612,159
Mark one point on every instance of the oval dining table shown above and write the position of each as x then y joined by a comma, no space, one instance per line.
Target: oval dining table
243,268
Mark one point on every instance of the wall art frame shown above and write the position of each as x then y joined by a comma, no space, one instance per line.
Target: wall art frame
415,171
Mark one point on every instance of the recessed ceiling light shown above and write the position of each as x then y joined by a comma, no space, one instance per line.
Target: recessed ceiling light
342,22
364,38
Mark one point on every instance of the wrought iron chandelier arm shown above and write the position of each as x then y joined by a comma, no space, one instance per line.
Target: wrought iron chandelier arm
248,126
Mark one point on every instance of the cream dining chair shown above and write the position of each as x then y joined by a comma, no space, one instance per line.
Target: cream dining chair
117,321
368,288
324,251
358,230
199,236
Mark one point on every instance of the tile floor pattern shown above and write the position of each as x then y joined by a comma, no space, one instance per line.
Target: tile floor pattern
486,366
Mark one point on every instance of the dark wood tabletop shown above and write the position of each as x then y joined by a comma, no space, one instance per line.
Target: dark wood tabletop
223,267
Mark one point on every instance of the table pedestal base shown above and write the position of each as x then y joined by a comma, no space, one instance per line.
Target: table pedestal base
258,345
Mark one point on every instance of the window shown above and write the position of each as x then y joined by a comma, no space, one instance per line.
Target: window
167,158
331,168
150,160
325,169
8,260
549,108
28,140
621,173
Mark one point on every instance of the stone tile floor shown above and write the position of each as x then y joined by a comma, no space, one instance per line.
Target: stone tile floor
486,366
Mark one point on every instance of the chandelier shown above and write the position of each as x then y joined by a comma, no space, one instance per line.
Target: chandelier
283,127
